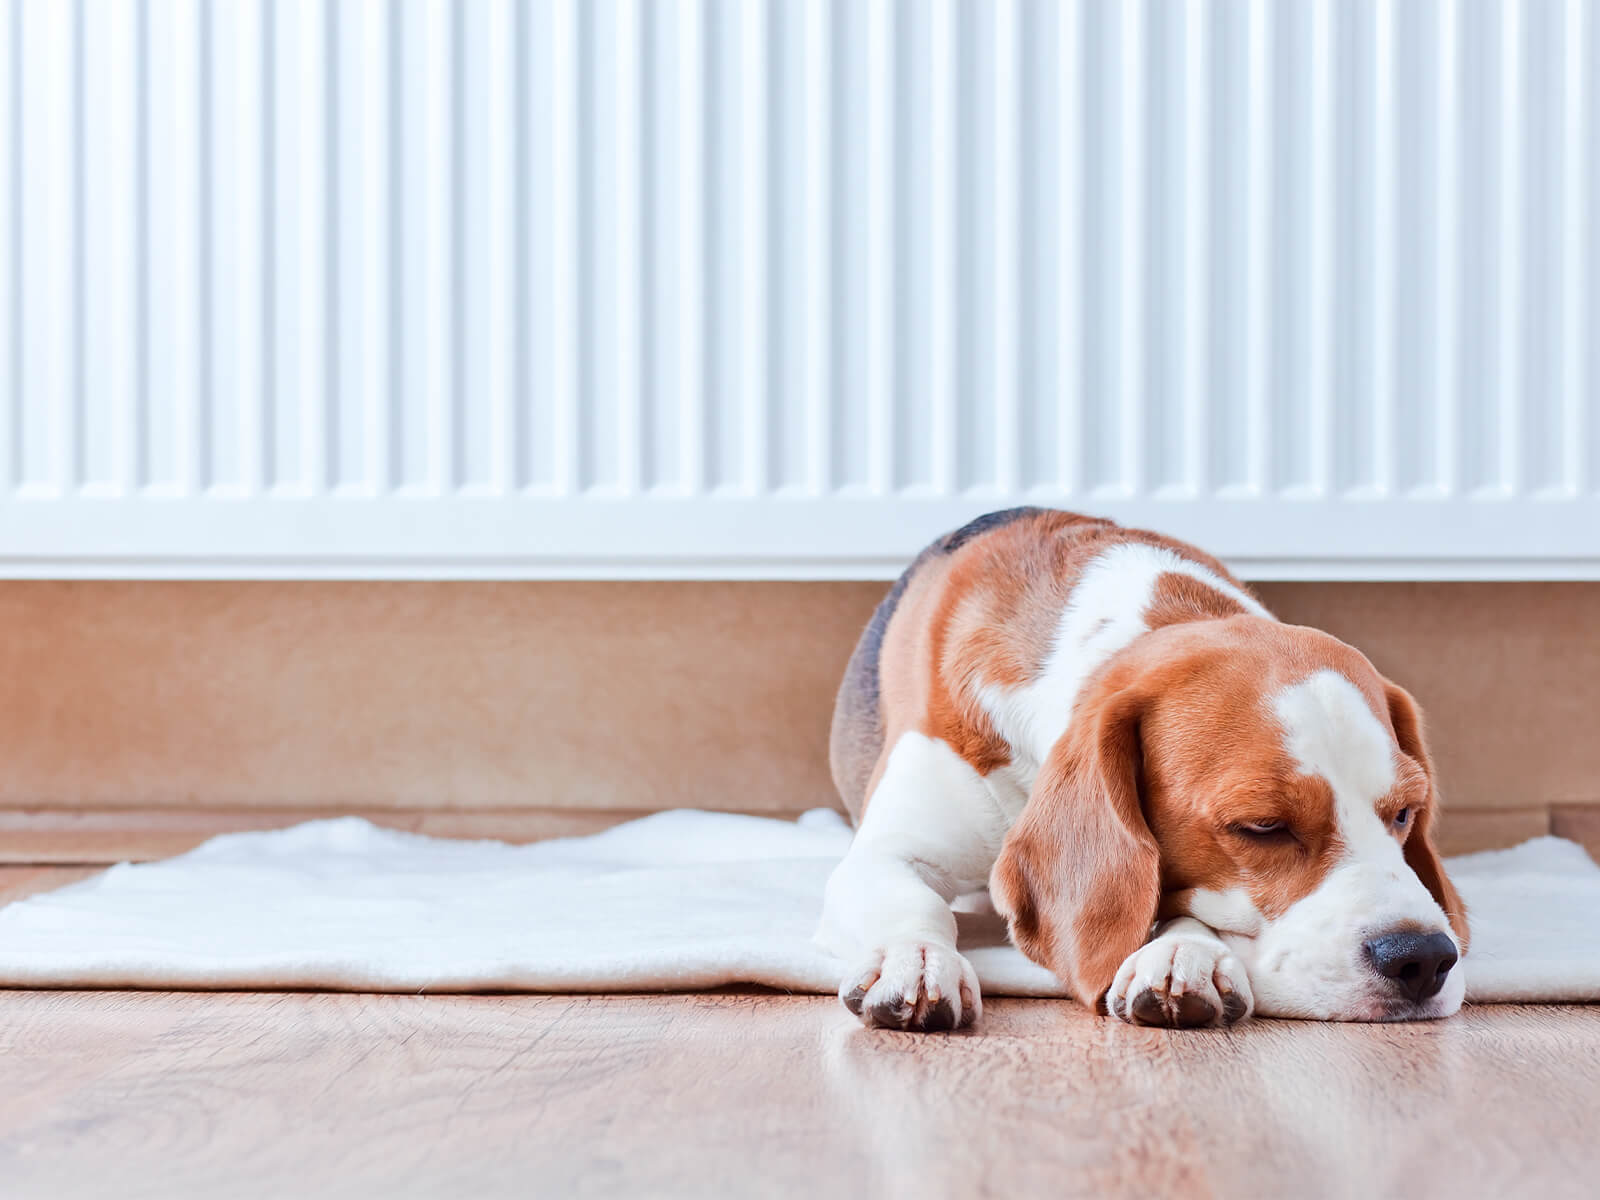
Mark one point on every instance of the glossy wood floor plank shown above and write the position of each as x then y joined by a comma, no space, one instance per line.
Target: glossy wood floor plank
174,1095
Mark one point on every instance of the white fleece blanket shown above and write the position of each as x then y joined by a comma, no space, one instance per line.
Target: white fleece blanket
677,900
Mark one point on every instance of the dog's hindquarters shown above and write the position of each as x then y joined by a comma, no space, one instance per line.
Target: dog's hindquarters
857,739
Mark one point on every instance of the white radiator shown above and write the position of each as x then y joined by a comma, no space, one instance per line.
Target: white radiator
749,288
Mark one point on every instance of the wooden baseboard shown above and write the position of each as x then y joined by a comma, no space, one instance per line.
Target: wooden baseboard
1465,831
139,719
1579,822
18,883
632,695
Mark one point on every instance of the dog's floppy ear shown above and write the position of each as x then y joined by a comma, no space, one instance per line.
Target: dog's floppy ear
1079,875
1421,854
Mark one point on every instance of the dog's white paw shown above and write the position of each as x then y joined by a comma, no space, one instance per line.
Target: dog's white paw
914,985
1181,981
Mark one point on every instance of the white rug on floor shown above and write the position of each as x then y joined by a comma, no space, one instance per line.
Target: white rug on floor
682,899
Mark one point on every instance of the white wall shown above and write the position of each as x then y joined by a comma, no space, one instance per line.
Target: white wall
729,287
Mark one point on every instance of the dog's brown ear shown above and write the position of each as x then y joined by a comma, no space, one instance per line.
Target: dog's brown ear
1421,854
1079,875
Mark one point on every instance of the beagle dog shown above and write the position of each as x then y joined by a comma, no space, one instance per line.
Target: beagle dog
1187,810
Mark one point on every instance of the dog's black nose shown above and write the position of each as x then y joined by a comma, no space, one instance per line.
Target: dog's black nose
1417,962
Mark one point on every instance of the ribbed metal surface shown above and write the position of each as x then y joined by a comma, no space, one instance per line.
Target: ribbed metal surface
299,269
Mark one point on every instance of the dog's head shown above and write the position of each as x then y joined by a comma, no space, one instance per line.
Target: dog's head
1266,780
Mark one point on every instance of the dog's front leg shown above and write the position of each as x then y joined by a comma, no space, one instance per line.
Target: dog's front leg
898,937
1185,976
926,837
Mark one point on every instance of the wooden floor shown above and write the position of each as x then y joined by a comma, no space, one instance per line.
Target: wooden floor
737,1094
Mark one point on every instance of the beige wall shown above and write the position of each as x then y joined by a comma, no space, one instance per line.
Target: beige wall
136,717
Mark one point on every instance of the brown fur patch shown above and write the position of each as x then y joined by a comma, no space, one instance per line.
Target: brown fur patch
1422,856
905,669
1177,598
986,612
1079,874
1214,762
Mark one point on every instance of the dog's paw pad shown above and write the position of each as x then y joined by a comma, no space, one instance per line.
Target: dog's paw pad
1235,1007
914,986
1186,1010
1180,982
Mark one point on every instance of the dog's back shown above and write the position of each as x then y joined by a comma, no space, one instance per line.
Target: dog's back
858,735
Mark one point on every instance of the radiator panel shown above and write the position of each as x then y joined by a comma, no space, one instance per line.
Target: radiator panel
747,287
